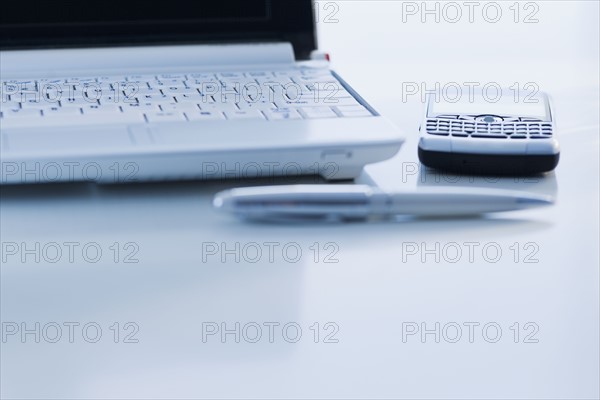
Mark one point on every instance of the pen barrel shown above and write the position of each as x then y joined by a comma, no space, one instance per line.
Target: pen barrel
450,204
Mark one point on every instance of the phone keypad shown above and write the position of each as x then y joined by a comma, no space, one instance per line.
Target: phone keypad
497,130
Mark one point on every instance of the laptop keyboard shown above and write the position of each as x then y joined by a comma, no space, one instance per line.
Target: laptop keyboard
257,95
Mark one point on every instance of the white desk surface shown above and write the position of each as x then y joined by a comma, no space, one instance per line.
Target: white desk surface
371,294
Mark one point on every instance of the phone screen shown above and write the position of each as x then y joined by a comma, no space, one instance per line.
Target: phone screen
509,103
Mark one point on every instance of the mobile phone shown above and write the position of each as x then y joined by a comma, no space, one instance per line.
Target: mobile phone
474,132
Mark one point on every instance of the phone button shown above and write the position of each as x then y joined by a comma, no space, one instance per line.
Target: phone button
489,118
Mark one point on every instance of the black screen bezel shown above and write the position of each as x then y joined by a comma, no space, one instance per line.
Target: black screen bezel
291,21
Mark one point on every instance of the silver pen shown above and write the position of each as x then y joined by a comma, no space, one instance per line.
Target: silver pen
358,202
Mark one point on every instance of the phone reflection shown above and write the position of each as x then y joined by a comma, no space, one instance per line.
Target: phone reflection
543,184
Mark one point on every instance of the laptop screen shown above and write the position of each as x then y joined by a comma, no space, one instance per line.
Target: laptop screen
84,23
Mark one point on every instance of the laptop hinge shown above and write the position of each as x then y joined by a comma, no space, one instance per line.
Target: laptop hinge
147,58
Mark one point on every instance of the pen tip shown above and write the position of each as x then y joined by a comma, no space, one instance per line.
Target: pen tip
220,201
217,202
535,201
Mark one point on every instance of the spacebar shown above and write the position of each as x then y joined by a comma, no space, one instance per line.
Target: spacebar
95,119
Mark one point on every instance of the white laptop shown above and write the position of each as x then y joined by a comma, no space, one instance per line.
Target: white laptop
125,91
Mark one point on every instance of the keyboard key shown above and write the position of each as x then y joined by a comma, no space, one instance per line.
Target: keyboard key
27,86
167,83
285,73
204,116
170,77
77,102
230,75
201,76
218,106
111,118
60,111
141,107
188,97
319,81
202,83
149,98
107,108
274,84
132,89
183,107
112,78
293,91
148,91
259,74
36,103
340,101
259,105
282,114
229,98
89,91
164,116
27,96
304,103
139,78
176,90
318,112
353,111
250,114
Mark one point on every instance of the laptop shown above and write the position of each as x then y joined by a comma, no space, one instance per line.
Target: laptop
124,91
